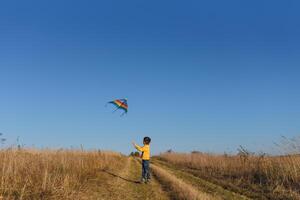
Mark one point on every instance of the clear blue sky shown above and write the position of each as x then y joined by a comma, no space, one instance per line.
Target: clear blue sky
198,75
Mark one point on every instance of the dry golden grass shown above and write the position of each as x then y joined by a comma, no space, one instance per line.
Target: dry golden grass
180,189
50,174
275,174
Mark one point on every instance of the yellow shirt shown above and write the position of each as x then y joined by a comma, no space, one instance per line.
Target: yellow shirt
145,151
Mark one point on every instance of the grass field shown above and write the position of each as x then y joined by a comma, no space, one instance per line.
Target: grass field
257,177
79,174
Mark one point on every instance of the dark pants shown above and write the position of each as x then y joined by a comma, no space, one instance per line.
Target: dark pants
146,169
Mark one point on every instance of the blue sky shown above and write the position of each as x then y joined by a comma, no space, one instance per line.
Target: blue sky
206,76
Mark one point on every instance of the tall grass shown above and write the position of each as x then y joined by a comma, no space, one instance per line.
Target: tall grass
276,174
50,174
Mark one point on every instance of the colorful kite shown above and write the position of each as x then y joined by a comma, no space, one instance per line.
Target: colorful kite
120,104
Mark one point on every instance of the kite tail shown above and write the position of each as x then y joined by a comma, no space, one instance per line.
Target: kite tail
123,114
116,109
108,103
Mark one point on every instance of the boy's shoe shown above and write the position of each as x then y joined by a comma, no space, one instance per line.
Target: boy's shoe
143,180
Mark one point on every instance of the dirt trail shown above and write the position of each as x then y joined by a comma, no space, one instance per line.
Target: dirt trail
152,190
202,185
124,185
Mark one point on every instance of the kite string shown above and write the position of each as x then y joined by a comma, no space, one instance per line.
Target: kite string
123,114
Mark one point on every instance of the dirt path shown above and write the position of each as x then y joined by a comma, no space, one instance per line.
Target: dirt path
152,190
124,185
200,184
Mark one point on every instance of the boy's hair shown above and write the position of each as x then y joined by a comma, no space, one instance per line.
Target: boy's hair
147,140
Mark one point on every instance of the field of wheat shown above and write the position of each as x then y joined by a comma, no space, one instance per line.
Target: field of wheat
50,174
79,174
274,177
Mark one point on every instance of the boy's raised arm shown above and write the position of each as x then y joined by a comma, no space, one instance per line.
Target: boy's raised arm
137,146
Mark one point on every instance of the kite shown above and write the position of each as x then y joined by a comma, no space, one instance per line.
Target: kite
120,104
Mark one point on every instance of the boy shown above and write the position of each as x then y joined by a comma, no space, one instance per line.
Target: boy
145,158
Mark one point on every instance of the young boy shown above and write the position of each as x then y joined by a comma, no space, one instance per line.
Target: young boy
145,158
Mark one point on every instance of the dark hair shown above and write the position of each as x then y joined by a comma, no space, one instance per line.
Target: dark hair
147,140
